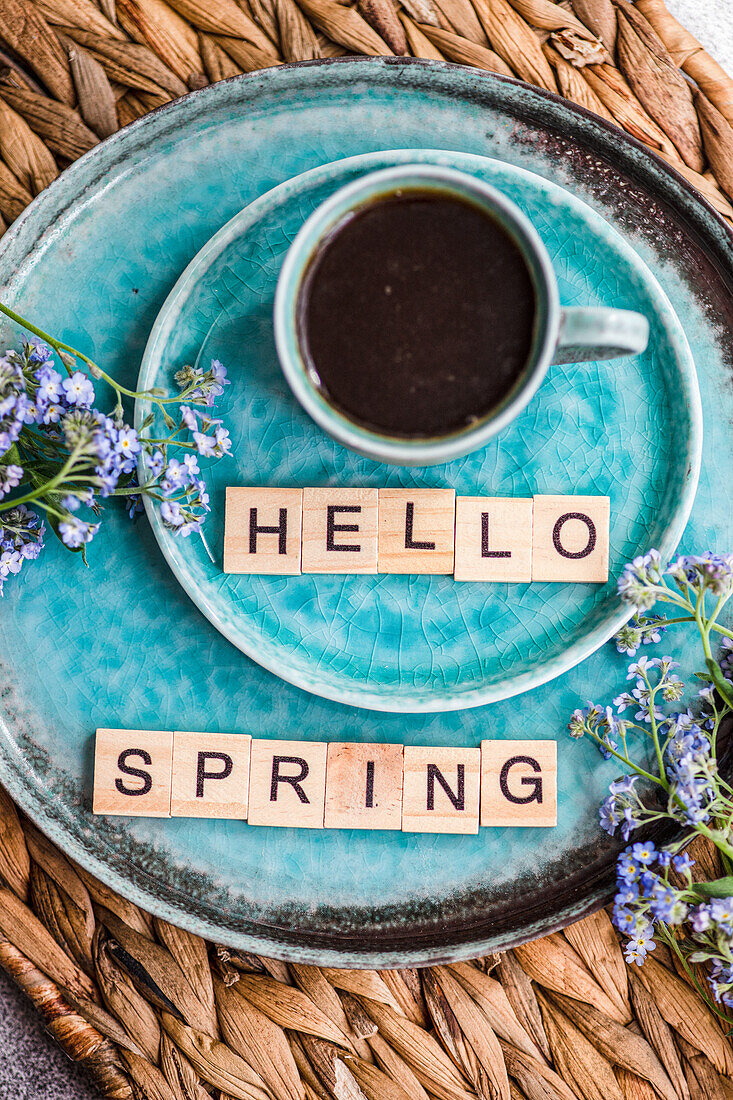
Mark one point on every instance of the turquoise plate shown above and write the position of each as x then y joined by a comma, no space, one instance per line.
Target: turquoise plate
120,643
630,429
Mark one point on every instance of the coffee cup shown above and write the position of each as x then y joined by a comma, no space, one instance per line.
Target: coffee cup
417,312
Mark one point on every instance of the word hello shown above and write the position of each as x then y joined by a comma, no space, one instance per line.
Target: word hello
541,538
312,785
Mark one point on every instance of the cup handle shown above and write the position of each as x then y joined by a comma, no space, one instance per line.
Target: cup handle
589,334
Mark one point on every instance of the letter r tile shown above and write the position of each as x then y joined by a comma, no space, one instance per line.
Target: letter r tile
132,773
287,783
262,530
519,783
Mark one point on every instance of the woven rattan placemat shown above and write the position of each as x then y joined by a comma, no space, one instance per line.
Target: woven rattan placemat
156,1012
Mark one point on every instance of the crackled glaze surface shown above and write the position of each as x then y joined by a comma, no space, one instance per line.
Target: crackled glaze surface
628,429
121,643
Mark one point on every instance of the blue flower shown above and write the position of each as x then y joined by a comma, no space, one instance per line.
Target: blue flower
627,867
682,863
643,666
192,466
37,351
10,562
700,918
156,462
134,505
219,374
14,403
644,852
188,416
205,445
640,580
10,477
637,948
623,701
713,572
721,912
127,445
79,390
75,532
50,390
21,540
171,514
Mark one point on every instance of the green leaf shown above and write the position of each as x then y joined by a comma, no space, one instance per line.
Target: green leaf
704,676
720,888
11,457
53,521
721,684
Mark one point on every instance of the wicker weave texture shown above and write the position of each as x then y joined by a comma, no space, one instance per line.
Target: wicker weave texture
155,1012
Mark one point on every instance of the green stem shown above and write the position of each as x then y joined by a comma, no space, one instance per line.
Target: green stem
675,947
629,763
96,370
49,486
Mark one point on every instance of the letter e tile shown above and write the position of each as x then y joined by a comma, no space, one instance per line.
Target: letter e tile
132,773
287,783
210,775
519,783
262,530
441,790
340,530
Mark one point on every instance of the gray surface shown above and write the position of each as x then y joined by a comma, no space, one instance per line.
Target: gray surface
31,1065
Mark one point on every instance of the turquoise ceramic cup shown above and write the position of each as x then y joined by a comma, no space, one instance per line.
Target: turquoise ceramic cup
561,334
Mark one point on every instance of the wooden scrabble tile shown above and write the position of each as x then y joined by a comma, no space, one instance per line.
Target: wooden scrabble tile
132,773
210,775
340,530
416,530
262,530
519,783
287,783
440,792
363,786
570,538
493,539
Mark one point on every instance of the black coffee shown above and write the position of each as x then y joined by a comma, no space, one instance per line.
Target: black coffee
417,315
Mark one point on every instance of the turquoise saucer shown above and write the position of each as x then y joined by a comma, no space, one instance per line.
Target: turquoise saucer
630,429
121,644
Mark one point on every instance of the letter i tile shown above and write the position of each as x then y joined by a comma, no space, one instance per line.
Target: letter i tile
363,786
